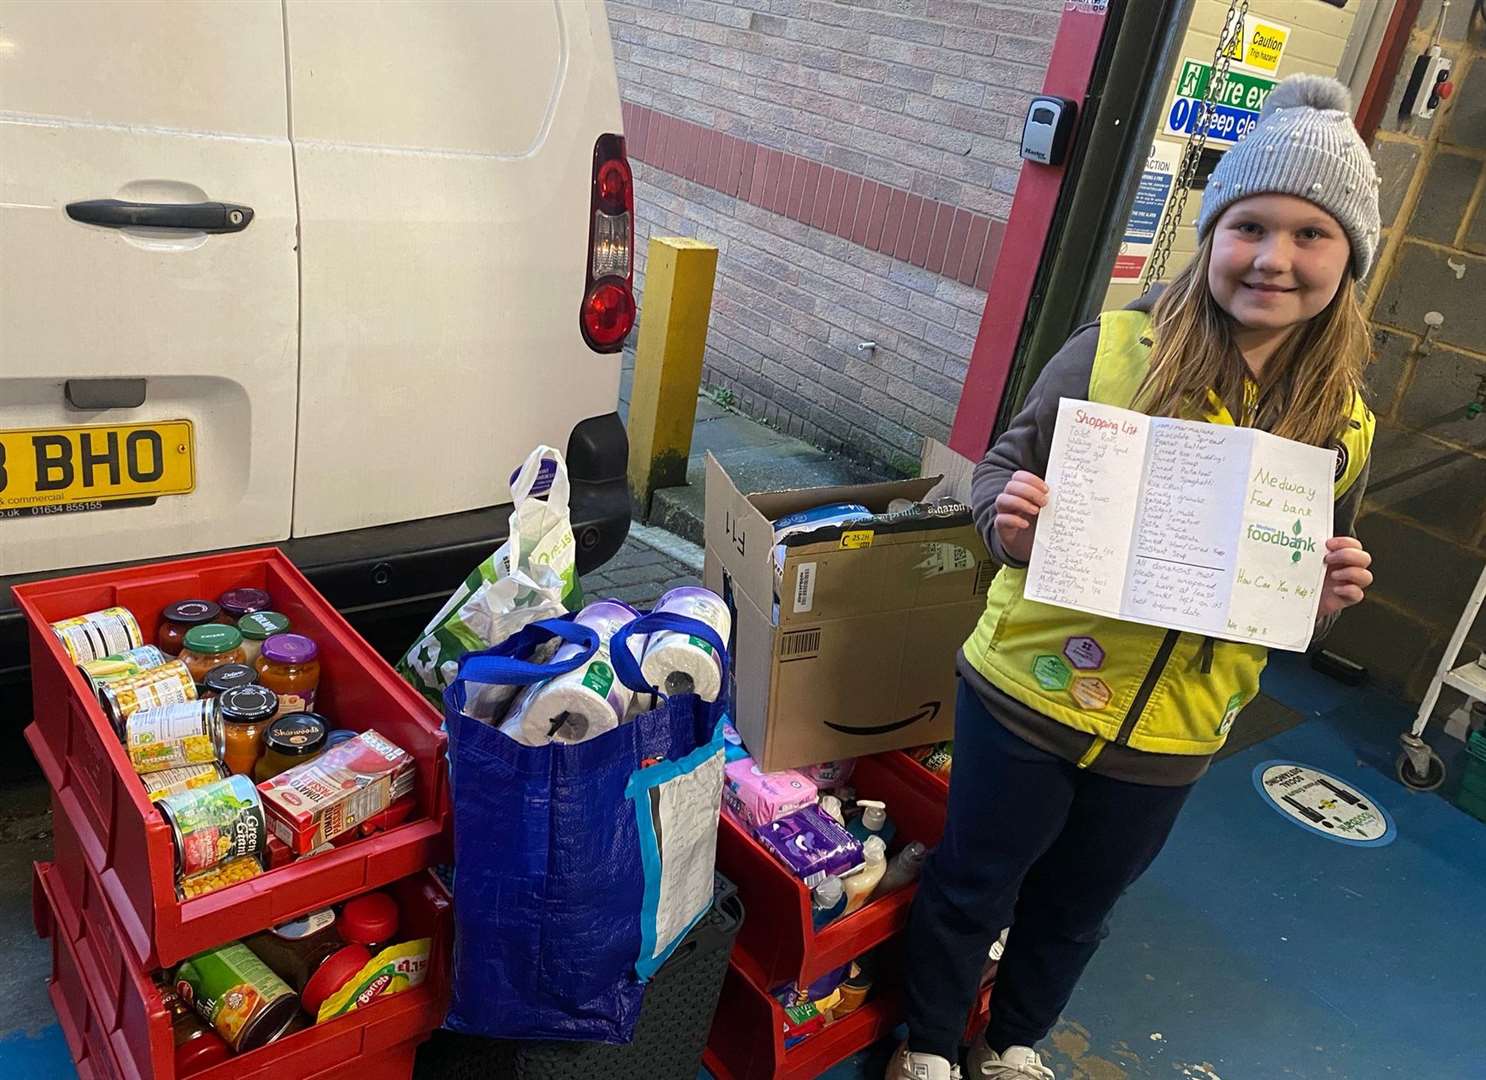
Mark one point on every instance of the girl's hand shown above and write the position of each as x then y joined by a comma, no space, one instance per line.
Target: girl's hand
1347,575
1017,508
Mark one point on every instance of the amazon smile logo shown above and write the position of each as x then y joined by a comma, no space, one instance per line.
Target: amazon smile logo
927,711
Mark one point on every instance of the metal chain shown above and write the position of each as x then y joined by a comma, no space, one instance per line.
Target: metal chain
1186,174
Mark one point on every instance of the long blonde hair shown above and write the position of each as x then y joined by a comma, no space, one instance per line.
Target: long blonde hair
1307,387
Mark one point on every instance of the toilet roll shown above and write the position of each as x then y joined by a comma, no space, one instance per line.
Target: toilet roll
678,663
584,703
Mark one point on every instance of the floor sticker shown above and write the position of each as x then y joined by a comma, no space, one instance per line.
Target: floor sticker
1324,804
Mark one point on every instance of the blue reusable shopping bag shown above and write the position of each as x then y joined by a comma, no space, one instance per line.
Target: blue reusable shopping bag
577,868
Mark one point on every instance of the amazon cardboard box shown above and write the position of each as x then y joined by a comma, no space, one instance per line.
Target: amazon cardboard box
849,647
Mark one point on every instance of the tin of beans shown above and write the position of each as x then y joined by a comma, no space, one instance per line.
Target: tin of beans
169,684
188,733
162,785
98,634
213,824
237,994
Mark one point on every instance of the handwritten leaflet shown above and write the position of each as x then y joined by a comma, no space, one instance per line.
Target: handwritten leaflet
1201,527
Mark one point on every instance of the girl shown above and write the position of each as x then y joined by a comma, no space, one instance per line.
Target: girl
1060,801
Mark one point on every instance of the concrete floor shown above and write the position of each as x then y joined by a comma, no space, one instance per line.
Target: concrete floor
1253,948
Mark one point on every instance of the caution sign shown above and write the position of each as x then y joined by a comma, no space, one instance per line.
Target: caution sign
1321,803
1259,44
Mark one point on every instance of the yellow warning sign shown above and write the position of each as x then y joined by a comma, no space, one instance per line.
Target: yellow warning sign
1259,45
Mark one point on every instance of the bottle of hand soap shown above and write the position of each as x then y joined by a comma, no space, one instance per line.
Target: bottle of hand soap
859,886
903,869
873,821
828,901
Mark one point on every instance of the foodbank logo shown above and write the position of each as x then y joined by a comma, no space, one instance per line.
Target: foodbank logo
1298,545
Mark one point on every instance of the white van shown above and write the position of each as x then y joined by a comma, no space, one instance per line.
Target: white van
315,272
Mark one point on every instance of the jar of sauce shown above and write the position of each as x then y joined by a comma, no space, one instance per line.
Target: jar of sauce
245,713
289,665
236,603
209,646
289,741
257,627
225,677
197,1046
310,955
370,919
180,617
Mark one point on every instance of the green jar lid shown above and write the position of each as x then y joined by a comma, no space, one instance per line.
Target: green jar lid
213,638
261,625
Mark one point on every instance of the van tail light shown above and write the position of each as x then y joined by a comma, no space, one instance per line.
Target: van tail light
608,311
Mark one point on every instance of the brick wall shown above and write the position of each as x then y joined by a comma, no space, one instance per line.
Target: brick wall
854,163
1425,514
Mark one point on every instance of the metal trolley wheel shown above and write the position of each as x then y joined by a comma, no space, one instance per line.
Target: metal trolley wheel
1426,778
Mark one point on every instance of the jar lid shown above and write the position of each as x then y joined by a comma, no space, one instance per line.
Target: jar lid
225,677
340,967
213,638
245,600
202,1050
247,704
338,736
306,925
297,734
289,649
259,625
370,919
191,612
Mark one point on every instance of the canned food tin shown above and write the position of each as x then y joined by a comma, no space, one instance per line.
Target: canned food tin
122,665
188,733
169,684
212,824
218,877
98,634
161,785
235,992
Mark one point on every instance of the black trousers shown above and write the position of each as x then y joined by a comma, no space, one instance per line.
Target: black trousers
1031,842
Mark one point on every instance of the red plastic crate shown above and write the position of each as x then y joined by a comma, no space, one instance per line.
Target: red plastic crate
123,838
747,1037
778,936
122,1030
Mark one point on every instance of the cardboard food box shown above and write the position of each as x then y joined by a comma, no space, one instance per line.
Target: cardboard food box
851,650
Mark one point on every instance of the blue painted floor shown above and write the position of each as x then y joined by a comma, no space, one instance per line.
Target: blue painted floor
1253,948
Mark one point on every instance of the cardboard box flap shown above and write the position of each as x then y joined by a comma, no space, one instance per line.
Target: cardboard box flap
738,534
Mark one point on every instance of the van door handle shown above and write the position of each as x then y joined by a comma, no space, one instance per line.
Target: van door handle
210,217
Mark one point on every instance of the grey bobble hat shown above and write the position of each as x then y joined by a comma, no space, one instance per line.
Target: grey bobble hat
1305,145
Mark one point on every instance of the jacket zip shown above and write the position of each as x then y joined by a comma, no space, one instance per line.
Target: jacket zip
1147,686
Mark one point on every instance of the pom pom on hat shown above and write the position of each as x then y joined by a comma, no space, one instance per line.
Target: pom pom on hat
1310,92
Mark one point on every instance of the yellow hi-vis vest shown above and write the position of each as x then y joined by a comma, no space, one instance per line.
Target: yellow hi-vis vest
1123,682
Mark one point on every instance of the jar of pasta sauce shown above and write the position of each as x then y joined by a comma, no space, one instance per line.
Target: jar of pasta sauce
178,618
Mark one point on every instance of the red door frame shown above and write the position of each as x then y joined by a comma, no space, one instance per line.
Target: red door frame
1022,245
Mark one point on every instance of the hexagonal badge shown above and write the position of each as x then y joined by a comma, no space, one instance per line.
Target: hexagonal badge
1091,693
1050,672
1084,653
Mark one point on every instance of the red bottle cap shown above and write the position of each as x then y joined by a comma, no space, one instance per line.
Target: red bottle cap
370,919
339,968
202,1052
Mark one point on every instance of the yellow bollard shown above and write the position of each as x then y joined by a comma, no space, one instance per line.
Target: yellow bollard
668,363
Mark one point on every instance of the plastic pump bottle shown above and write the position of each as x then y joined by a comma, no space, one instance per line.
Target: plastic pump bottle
903,869
859,886
873,821
828,901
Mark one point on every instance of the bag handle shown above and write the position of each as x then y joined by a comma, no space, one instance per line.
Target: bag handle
502,665
628,669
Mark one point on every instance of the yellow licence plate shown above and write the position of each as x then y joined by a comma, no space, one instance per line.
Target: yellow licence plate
53,470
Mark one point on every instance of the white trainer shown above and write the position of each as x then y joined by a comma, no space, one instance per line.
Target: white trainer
1017,1063
909,1066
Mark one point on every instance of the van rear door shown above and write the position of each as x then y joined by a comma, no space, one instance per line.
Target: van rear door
159,124
445,158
